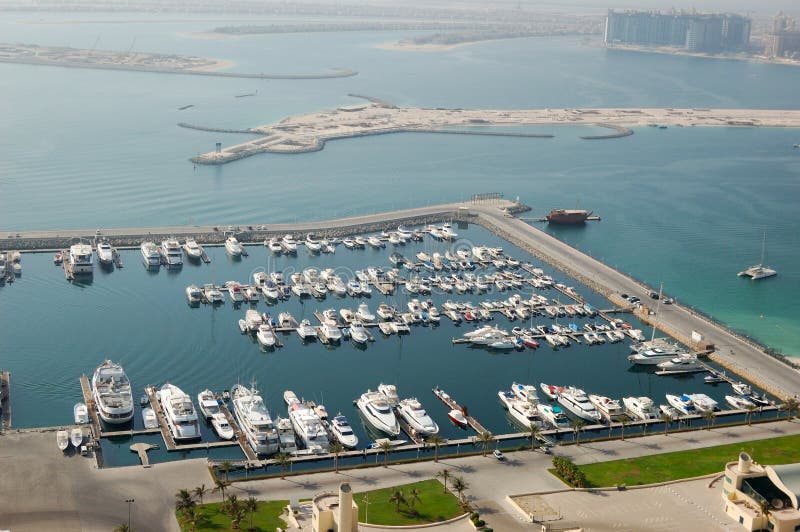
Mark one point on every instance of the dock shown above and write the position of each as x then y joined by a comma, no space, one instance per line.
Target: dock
166,435
5,400
237,431
116,257
453,405
94,418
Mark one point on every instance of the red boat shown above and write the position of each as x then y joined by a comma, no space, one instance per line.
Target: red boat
457,417
469,316
566,216
529,342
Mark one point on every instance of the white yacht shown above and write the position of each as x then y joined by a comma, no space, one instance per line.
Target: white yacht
526,392
105,253
221,426
655,355
306,331
703,402
378,413
553,415
358,333
289,244
111,392
364,313
306,423
640,408
213,295
343,432
208,403
759,271
274,245
62,439
171,251
609,408
414,414
682,363
193,294
150,254
385,312
192,249
312,244
81,259
254,420
682,403
149,418
375,242
235,291
576,401
233,247
520,410
390,392
253,319
80,413
287,441
330,333
266,336
179,413
739,402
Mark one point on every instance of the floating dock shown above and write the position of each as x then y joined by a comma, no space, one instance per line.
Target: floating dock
450,402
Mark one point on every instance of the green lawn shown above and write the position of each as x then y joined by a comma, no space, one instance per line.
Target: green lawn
266,519
434,505
686,464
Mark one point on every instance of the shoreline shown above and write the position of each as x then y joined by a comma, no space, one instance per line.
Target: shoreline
677,52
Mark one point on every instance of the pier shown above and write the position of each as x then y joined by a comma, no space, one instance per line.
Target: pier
453,405
5,400
241,440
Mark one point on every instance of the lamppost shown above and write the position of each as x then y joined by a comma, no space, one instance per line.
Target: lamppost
130,503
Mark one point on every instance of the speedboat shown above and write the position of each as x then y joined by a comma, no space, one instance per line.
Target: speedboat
287,441
81,259
378,413
458,417
208,403
235,291
640,408
703,402
682,403
739,402
80,413
105,253
254,420
233,247
343,432
312,244
76,437
270,291
576,401
306,423
179,413
111,392
364,314
390,391
682,363
150,254
192,249
414,414
221,426
306,331
385,312
149,418
62,440
193,294
171,251
553,415
550,390
265,336
609,408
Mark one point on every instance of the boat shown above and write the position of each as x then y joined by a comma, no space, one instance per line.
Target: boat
235,291
378,413
105,253
714,378
287,440
458,417
520,410
397,259
192,248
266,336
739,402
703,402
759,271
307,423
81,259
640,408
220,424
80,413
149,418
656,355
208,403
567,216
193,294
551,391
553,415
330,333
380,442
609,408
306,331
270,291
576,401
375,242
76,437
390,392
414,414
171,252
746,391
111,393
525,392
150,254
342,431
682,363
254,420
179,413
233,247
312,244
62,440
358,333
385,312
682,403
364,314
213,294
253,319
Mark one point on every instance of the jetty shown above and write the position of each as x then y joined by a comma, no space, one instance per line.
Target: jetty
453,405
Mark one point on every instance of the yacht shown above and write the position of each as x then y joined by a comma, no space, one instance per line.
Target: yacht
609,408
759,271
739,402
523,412
111,392
235,291
193,294
682,403
525,392
253,319
270,291
576,401
306,423
306,331
81,259
703,402
289,244
458,418
553,415
414,414
171,251
192,249
655,355
640,408
364,314
378,413
149,418
312,244
343,432
150,254
233,247
265,336
105,253
213,295
385,312
358,333
353,288
179,413
390,392
682,363
221,426
551,390
330,333
287,440
80,413
254,420
208,403
274,245
375,242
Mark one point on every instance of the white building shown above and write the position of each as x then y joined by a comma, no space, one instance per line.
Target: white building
335,513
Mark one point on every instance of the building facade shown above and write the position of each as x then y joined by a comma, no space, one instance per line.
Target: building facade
784,41
335,512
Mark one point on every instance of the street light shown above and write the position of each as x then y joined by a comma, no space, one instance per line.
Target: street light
130,502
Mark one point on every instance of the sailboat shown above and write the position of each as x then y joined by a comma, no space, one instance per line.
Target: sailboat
759,271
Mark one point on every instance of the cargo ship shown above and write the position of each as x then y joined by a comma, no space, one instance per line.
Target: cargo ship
565,216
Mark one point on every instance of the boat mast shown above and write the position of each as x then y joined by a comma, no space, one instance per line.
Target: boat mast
763,246
658,305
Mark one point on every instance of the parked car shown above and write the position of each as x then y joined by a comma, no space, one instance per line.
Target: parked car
654,295
497,454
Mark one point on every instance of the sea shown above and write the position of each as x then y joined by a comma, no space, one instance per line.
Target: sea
684,207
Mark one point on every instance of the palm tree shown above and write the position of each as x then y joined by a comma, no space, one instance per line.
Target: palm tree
385,447
751,408
413,497
123,527
250,506
235,510
436,440
189,517
667,419
577,427
709,416
397,498
220,485
183,500
444,474
283,461
534,430
199,492
622,423
460,486
485,438
791,405
226,468
335,449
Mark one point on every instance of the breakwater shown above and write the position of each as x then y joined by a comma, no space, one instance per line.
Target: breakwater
620,131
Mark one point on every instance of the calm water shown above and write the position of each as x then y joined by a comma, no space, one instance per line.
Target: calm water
100,149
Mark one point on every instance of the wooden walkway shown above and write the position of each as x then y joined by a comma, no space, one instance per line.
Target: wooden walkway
450,402
237,431
5,399
94,439
166,435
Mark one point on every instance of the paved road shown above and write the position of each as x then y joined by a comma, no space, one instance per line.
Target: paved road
731,350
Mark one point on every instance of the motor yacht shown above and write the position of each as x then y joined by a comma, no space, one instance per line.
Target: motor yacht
270,291
682,363
312,244
172,253
234,291
521,411
375,242
654,356
342,431
458,418
306,423
525,392
222,427
266,336
179,413
213,295
306,331
149,418
550,390
553,415
330,333
80,413
105,253
378,413
349,243
414,414
390,391
254,420
703,402
208,403
81,259
739,402
608,408
364,313
192,249
193,294
640,408
682,403
311,275
253,319
274,245
287,439
233,247
353,288
111,392
385,312
576,401
358,333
